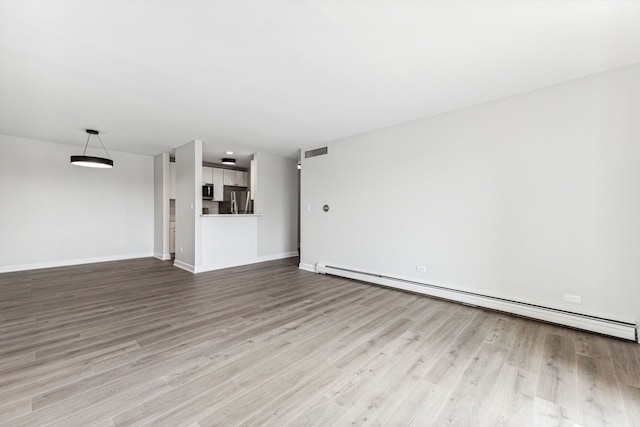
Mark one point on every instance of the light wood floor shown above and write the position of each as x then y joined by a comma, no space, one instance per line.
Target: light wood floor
140,342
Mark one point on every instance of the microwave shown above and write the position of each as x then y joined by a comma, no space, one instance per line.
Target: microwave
207,192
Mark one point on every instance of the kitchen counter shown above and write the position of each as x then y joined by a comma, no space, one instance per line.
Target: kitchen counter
229,215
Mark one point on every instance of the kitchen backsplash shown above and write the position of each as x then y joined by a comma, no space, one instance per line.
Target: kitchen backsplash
212,206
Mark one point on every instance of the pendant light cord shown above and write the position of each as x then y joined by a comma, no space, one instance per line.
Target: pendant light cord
103,147
99,139
86,145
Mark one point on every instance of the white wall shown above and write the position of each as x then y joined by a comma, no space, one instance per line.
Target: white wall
525,198
54,213
188,205
277,200
161,206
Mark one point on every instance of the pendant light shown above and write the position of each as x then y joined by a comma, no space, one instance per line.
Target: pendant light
228,161
90,161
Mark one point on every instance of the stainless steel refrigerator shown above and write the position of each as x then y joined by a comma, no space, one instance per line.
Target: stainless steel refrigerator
236,200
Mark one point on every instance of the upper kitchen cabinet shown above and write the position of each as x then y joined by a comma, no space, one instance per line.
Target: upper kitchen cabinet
243,178
218,184
172,180
207,175
229,177
236,178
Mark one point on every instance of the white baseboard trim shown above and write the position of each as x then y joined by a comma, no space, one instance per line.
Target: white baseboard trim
274,257
307,267
162,257
238,263
616,328
184,266
68,262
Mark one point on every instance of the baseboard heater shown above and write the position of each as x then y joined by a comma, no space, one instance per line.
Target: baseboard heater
600,325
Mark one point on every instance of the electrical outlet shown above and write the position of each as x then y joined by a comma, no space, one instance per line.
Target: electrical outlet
421,268
575,299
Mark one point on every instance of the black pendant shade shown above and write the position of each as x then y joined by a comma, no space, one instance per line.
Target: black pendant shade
228,161
92,161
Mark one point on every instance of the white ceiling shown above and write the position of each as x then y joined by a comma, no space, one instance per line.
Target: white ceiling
280,74
214,153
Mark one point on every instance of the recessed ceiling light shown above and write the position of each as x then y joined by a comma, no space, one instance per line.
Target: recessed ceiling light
230,152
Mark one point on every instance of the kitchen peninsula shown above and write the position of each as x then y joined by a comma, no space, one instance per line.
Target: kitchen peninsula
229,240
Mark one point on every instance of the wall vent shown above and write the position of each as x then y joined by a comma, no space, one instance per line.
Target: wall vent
317,152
